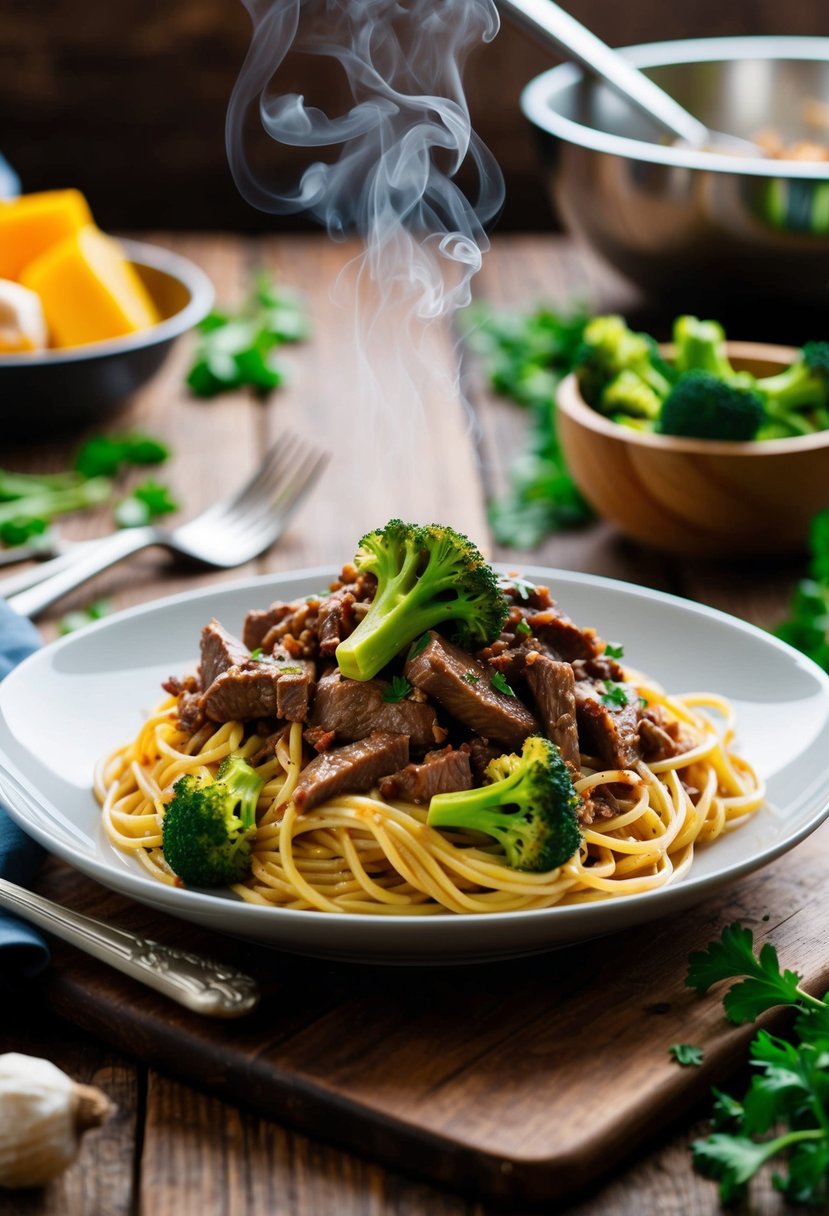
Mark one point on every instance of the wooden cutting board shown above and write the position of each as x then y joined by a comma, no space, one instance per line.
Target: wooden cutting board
524,1080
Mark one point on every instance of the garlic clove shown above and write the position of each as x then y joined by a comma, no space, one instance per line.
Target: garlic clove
22,323
43,1114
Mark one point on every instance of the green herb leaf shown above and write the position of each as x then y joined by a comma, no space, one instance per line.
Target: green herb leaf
522,587
470,677
686,1054
614,650
84,616
499,683
417,647
235,350
614,694
400,688
257,653
147,502
107,455
21,528
523,628
733,955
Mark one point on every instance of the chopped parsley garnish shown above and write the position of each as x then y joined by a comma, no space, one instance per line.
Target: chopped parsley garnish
614,694
84,616
257,653
522,587
106,455
784,1114
523,628
614,650
418,645
498,682
400,688
147,502
470,677
686,1054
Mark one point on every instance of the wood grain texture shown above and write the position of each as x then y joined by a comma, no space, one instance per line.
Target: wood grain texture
526,1087
241,1150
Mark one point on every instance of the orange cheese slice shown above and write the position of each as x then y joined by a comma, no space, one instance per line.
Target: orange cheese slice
33,222
88,289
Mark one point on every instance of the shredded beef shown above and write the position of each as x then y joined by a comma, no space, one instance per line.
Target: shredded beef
220,651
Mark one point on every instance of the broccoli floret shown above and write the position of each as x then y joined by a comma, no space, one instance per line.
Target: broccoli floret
609,348
529,807
209,825
628,394
700,346
701,406
427,575
797,398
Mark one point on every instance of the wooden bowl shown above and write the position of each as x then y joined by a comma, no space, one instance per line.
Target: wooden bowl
698,496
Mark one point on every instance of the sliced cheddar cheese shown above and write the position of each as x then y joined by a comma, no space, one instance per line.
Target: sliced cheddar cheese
33,222
88,289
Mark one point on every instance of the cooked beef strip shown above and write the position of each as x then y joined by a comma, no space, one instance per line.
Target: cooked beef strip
553,689
608,732
188,691
261,689
220,651
562,637
441,772
336,621
355,708
655,737
259,622
600,668
319,738
462,685
351,769
481,751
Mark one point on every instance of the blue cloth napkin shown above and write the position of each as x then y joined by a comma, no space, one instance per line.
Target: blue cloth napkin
23,952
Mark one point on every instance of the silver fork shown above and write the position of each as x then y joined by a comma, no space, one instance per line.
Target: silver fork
230,533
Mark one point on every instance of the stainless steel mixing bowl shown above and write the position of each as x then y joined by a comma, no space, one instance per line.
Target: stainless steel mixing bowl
679,220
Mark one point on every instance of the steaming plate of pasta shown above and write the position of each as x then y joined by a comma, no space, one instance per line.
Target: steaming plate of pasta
390,762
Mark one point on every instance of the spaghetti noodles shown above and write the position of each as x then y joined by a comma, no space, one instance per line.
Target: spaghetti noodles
365,854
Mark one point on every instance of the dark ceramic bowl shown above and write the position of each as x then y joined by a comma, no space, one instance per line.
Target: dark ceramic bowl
60,391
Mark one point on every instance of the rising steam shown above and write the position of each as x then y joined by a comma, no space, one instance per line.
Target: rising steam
400,145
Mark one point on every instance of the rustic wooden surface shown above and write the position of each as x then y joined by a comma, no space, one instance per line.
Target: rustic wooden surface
171,1148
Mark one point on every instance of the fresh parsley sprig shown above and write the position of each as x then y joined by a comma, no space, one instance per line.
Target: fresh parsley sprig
789,1095
398,690
807,625
525,358
238,349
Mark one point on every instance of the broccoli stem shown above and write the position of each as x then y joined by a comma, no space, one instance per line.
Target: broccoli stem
480,809
795,388
402,610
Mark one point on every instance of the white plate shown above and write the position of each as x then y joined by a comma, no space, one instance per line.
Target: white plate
73,701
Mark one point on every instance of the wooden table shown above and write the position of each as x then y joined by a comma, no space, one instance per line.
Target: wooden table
171,1149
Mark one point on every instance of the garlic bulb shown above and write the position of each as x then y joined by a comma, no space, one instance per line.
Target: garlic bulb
22,324
43,1114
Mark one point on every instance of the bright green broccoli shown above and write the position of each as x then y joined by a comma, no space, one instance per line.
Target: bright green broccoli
628,394
610,348
209,825
700,346
701,406
797,399
529,807
427,575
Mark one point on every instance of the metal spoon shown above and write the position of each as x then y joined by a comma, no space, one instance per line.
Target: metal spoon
200,984
549,23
